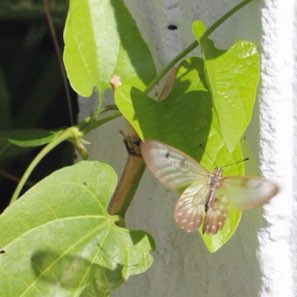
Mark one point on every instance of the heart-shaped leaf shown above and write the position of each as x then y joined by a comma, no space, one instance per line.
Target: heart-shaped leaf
232,77
60,241
185,120
102,39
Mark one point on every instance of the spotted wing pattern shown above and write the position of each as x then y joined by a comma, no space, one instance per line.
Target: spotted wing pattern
190,207
216,215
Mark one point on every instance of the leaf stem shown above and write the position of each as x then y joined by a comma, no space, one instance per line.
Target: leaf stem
232,11
170,65
72,132
90,124
187,50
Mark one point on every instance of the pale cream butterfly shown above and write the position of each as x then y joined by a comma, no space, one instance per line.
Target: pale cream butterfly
208,196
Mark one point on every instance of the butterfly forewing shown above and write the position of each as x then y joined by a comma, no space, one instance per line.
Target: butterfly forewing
190,207
247,192
173,168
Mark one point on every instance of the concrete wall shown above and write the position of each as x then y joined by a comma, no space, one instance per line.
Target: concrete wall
259,260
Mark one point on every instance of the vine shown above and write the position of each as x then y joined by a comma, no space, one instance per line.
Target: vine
209,99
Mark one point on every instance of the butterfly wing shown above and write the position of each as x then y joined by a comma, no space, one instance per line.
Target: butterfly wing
172,167
247,192
190,207
216,214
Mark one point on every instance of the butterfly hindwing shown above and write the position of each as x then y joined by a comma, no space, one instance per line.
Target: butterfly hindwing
216,215
173,168
190,207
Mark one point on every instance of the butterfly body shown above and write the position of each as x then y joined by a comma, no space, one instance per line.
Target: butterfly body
207,197
214,182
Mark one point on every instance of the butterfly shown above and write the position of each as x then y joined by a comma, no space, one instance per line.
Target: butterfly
207,196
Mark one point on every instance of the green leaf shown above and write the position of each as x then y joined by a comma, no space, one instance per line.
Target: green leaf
60,241
18,141
102,39
185,120
232,76
198,29
28,137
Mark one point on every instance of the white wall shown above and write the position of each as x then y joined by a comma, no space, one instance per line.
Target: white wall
277,248
243,267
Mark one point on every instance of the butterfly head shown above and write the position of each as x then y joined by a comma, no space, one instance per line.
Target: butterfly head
215,178
218,171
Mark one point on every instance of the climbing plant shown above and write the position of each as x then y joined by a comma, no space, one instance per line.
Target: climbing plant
66,236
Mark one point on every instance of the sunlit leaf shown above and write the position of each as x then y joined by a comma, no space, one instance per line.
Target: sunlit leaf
60,241
232,77
102,39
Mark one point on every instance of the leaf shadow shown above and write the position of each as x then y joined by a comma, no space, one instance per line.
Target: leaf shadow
184,118
137,236
211,52
76,273
133,43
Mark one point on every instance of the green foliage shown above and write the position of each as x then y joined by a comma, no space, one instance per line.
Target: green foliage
60,241
210,103
193,121
232,76
101,39
16,141
27,137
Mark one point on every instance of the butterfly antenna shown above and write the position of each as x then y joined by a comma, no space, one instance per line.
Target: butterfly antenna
208,155
245,159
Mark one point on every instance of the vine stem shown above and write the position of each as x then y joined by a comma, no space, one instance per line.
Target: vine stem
74,133
129,180
226,16
170,65
89,124
188,49
59,55
71,132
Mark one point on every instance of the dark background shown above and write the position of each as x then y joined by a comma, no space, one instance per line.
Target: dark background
32,93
